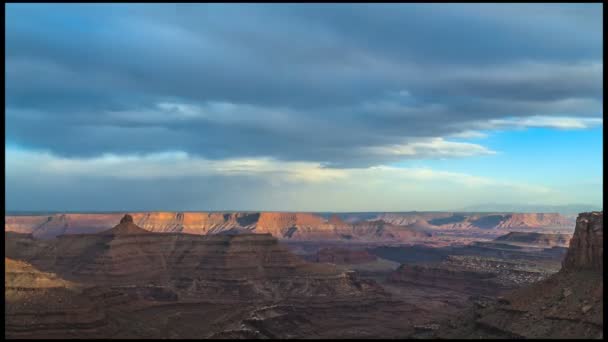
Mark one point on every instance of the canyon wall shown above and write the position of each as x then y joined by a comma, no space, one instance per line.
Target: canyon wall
222,267
587,245
295,226
479,221
98,285
568,304
282,225
536,239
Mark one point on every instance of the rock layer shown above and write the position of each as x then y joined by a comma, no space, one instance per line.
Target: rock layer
97,285
479,221
587,245
289,226
245,266
536,239
38,304
568,304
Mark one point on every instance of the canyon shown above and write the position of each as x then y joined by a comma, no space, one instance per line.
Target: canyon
117,276
401,227
295,275
567,304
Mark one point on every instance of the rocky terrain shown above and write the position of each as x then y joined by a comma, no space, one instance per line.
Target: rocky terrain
396,227
448,220
473,275
114,283
343,256
568,304
223,266
36,303
536,239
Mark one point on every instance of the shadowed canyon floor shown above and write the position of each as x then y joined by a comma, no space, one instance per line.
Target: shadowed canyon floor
379,283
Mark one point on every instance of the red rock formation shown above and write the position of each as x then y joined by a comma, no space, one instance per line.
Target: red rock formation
296,226
247,266
405,219
23,224
534,220
50,226
536,239
483,221
568,304
290,224
587,245
125,227
194,222
127,270
38,304
336,220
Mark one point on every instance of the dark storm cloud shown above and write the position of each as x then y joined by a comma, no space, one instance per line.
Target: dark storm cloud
294,82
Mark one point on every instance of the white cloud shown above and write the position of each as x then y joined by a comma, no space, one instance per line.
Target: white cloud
180,164
165,165
545,121
469,135
431,148
279,185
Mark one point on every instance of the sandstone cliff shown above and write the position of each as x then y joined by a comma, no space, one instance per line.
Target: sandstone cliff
479,221
98,285
224,267
39,304
292,226
568,304
587,245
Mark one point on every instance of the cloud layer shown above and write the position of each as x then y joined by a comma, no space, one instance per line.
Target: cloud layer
177,181
322,83
321,97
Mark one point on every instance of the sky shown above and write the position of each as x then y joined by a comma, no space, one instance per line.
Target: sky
302,107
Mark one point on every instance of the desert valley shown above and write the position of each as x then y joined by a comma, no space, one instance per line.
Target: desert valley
303,275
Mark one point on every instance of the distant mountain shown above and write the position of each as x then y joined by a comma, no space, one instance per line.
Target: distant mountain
567,209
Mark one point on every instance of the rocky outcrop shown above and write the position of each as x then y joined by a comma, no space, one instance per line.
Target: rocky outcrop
98,285
569,304
445,220
587,245
285,226
405,219
224,267
535,239
195,222
336,220
38,304
534,220
294,225
51,226
125,227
